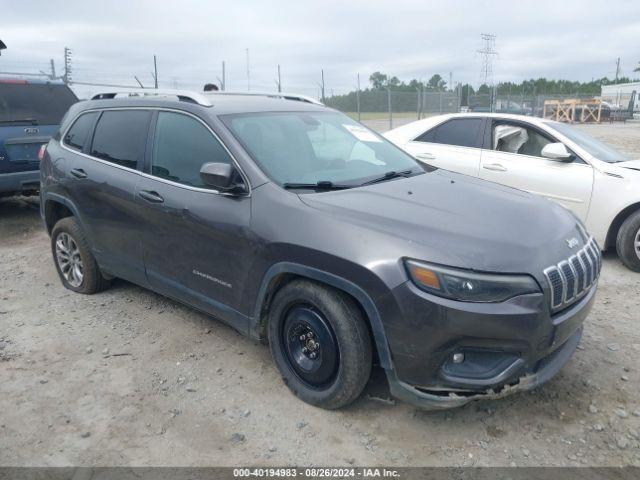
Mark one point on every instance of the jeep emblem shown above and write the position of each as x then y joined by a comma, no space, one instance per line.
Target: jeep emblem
572,242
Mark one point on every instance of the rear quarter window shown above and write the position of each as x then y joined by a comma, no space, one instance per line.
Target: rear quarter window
120,137
79,132
460,132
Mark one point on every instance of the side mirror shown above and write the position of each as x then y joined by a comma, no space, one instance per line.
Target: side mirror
220,176
557,151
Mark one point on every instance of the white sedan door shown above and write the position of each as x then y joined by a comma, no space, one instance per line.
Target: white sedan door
568,183
453,145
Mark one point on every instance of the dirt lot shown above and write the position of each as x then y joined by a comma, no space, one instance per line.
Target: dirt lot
127,377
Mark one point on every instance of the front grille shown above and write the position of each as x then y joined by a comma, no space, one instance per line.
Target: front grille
570,279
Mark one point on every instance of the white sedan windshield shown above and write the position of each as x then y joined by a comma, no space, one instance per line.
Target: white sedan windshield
595,147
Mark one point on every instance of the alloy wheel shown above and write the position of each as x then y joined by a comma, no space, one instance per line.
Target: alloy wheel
69,259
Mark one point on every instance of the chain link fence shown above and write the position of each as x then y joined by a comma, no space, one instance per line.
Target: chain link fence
386,109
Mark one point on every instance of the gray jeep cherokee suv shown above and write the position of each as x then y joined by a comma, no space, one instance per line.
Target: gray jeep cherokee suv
294,224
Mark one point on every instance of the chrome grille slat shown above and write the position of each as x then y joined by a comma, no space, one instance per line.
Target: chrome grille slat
581,274
587,265
570,279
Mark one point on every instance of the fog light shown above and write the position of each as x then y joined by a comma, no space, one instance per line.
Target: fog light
458,357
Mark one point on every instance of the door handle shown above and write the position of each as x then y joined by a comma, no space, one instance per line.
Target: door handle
496,167
151,196
78,173
425,156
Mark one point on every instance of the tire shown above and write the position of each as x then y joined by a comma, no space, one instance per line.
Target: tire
338,373
67,234
628,242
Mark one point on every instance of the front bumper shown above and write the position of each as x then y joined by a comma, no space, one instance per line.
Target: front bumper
544,371
508,347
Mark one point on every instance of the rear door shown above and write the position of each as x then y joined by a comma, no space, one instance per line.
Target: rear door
521,165
103,175
453,145
197,243
29,115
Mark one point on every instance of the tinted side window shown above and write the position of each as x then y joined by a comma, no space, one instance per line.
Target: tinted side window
461,132
428,136
78,134
181,146
120,137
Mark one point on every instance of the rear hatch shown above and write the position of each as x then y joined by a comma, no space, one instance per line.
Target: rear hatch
30,113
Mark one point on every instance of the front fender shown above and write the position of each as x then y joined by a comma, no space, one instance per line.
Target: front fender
365,300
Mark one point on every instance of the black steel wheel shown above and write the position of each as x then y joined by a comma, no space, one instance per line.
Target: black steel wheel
311,346
320,343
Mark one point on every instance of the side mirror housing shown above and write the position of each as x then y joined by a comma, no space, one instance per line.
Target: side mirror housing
220,176
557,151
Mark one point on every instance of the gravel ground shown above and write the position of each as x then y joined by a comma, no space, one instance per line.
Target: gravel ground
127,377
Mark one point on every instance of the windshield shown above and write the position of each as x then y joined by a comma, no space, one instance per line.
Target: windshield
587,142
311,147
37,104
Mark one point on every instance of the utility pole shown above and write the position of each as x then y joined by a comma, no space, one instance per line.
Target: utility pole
53,69
322,84
67,66
222,80
155,72
617,69
358,97
279,80
451,81
223,84
248,73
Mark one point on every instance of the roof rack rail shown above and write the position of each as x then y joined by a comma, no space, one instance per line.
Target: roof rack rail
182,95
283,95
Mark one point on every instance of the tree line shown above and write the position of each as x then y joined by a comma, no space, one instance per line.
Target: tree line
373,98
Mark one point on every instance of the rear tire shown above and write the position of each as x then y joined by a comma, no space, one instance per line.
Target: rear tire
76,265
331,365
628,242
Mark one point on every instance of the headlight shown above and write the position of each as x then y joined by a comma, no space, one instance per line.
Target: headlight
467,286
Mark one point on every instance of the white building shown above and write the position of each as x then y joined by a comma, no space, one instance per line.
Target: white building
620,94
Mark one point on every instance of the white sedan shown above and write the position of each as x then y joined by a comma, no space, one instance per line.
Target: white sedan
600,185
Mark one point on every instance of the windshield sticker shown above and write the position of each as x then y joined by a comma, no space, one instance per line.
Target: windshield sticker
361,133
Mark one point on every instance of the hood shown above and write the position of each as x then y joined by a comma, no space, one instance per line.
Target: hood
633,164
457,220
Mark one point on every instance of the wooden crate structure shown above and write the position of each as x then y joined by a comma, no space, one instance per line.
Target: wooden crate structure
573,110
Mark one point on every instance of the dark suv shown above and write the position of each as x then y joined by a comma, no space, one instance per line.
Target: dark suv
30,113
294,224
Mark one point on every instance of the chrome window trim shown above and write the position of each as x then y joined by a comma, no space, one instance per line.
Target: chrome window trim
147,175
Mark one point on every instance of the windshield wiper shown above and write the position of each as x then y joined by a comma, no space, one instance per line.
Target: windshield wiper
320,185
389,176
32,121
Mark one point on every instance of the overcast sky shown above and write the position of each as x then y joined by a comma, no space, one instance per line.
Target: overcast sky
113,41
